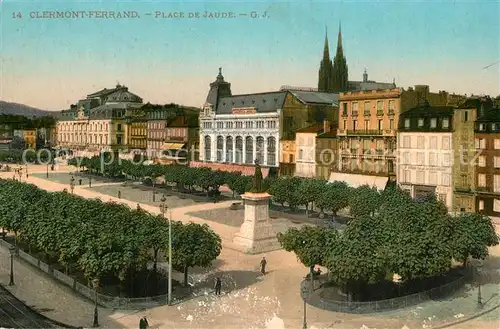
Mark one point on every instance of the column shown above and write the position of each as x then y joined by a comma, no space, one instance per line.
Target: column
234,149
277,148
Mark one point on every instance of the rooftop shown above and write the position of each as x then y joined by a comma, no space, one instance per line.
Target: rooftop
315,128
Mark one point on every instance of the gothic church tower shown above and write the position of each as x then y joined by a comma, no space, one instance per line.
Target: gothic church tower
340,77
325,75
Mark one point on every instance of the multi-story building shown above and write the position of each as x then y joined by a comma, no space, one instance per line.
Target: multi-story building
425,152
29,136
487,142
240,129
287,157
306,149
6,134
326,151
367,132
182,140
89,129
137,129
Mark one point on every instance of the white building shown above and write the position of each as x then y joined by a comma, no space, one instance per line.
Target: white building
425,152
305,141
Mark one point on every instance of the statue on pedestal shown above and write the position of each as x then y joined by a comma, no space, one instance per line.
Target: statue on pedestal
257,186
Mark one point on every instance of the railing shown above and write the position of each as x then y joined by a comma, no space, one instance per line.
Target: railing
390,112
380,112
385,304
103,300
364,132
366,113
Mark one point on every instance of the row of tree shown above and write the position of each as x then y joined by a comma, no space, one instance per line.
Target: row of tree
395,234
22,122
290,191
22,156
100,239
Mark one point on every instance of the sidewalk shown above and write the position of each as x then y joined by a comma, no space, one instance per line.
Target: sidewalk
271,301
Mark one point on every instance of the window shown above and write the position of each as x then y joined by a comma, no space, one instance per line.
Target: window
481,180
496,162
239,150
481,205
465,116
406,142
445,179
271,124
497,144
432,159
433,178
391,106
482,126
446,160
345,124
220,125
301,154
433,143
229,149
481,161
407,123
208,148
367,124
290,158
445,143
366,108
249,150
380,106
480,143
391,124
496,183
239,124
420,158
354,108
496,205
259,143
344,108
420,122
446,123
379,124
420,177
407,158
420,142
407,176
433,123
354,122
271,151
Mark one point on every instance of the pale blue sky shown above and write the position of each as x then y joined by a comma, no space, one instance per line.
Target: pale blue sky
51,63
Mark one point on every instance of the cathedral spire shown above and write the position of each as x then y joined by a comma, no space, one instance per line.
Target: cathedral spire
326,49
339,39
340,74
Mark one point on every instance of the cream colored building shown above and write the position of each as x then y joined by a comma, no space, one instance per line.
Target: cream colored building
305,140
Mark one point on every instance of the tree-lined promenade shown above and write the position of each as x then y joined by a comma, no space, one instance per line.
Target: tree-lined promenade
393,234
99,240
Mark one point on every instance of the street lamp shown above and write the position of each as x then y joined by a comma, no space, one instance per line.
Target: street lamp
47,170
304,321
72,184
12,250
479,298
95,283
163,209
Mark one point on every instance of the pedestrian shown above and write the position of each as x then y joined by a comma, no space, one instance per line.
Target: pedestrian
119,194
263,264
143,323
218,285
90,181
80,181
138,207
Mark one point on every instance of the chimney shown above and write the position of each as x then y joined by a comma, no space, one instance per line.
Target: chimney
326,126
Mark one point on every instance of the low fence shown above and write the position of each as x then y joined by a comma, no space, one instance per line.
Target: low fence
385,304
88,291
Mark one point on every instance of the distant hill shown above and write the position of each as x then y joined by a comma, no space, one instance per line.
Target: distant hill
21,109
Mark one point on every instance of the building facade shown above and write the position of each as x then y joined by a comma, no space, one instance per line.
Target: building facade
326,152
287,157
242,129
487,142
425,152
182,140
98,123
367,131
306,150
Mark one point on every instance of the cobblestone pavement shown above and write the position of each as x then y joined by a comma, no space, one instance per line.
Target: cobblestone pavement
250,301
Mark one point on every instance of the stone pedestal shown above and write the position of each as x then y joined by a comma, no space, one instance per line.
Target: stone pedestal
256,234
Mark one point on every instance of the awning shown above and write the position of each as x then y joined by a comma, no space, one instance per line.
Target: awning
354,180
173,146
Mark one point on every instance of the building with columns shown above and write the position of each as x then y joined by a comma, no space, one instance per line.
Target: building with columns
237,130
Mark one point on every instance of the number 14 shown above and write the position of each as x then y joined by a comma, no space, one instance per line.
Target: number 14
17,15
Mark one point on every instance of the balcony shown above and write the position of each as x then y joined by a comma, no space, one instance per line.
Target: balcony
380,113
389,132
390,112
364,132
354,113
366,113
344,114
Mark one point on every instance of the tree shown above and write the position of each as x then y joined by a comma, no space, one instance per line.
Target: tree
194,245
18,143
472,235
237,182
334,197
364,200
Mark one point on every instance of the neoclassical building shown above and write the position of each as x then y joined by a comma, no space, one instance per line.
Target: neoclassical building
237,130
97,123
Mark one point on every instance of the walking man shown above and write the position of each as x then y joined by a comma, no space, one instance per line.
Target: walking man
263,264
80,181
143,323
218,285
119,194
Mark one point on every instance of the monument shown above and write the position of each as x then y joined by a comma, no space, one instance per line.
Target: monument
256,234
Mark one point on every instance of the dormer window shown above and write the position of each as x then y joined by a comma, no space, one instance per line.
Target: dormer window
420,122
407,123
433,123
482,126
446,123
